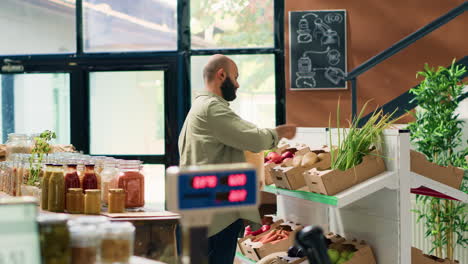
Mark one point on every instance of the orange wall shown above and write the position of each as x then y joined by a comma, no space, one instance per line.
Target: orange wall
373,26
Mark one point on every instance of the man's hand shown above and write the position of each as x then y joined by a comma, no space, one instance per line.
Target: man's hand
286,131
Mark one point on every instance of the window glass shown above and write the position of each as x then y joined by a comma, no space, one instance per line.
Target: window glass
32,103
129,25
155,185
39,26
127,113
231,24
255,100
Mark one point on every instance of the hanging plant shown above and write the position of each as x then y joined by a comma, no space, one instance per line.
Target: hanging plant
40,149
437,132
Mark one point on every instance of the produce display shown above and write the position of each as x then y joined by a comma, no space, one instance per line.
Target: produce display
290,163
278,237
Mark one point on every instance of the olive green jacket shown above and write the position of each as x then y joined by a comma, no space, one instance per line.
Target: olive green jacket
214,134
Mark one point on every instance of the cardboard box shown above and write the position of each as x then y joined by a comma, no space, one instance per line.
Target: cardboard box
292,178
451,176
331,182
362,251
257,251
417,257
288,260
268,168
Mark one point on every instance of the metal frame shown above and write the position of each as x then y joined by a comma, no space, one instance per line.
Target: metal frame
175,64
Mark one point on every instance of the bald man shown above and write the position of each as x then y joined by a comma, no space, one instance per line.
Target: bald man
214,134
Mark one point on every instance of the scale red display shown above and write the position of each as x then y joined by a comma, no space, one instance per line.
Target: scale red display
236,196
235,180
205,182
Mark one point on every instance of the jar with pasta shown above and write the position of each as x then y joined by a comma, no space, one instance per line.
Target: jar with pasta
108,179
18,143
117,242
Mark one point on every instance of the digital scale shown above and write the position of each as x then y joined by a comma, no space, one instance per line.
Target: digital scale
197,192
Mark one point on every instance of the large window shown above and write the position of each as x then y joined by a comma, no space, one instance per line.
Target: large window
216,24
32,103
123,25
127,113
37,26
113,77
255,100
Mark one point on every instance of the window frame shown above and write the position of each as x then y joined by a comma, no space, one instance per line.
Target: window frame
176,67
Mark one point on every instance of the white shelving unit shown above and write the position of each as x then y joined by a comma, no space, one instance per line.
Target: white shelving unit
377,210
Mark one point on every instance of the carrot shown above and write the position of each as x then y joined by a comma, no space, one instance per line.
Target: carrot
269,235
274,242
274,238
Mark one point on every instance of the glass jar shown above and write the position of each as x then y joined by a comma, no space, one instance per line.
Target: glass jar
54,239
89,220
108,179
56,192
92,202
75,201
2,176
89,178
117,242
133,182
18,143
85,244
45,186
116,201
71,178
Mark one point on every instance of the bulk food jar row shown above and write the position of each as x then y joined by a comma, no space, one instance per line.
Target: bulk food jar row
75,183
84,240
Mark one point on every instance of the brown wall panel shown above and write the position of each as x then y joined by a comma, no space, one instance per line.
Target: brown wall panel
373,26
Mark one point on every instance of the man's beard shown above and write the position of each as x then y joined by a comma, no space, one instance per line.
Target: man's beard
228,90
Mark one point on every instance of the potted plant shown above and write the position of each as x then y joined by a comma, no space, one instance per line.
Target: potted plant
41,147
436,132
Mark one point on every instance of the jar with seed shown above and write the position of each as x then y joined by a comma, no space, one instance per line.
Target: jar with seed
75,201
116,200
92,202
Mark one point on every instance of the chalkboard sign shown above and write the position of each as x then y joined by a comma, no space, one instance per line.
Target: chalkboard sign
317,41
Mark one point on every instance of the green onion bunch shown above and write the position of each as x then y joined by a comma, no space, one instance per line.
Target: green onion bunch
358,141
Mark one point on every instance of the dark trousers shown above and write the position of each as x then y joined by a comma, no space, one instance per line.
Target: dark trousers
222,246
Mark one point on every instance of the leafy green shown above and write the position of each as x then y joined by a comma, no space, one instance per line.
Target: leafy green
358,141
437,132
41,147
